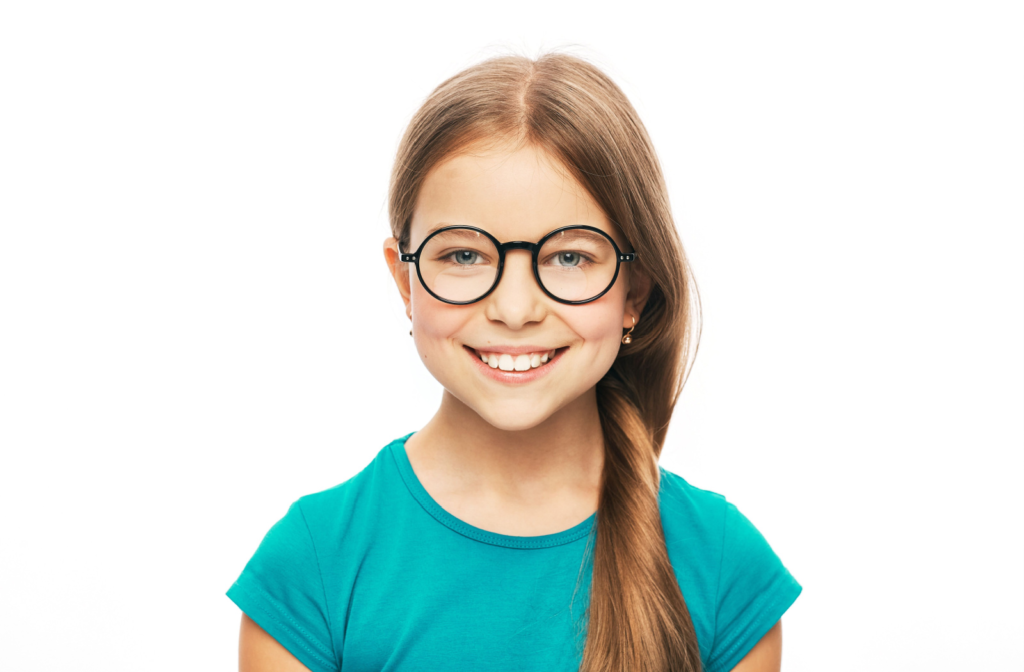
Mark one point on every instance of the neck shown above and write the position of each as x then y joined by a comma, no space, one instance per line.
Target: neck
563,453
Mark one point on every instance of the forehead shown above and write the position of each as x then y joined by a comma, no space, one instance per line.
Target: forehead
512,193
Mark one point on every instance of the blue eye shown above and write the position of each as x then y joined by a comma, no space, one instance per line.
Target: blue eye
572,258
465,257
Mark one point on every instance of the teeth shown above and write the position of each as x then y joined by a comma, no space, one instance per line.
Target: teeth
507,362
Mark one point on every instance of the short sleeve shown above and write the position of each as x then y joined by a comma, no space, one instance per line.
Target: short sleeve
754,590
281,588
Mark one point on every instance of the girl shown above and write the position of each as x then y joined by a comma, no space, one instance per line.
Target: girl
528,525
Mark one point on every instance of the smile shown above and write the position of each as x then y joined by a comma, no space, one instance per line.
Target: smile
506,367
506,362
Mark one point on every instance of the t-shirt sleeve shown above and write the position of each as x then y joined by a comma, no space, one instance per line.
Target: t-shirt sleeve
754,591
281,588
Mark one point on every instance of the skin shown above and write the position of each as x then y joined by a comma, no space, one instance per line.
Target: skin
522,460
766,656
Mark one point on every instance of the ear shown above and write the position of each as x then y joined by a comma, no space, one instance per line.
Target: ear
400,272
639,289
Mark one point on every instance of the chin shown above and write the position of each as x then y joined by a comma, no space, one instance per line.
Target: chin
505,426
513,416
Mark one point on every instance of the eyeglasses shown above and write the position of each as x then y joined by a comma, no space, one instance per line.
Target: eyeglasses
463,264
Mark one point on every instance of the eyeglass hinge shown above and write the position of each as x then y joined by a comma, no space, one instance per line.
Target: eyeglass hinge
628,256
408,257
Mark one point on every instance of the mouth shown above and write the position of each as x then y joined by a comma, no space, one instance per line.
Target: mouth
513,368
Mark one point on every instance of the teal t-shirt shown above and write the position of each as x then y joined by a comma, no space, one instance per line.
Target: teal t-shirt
373,575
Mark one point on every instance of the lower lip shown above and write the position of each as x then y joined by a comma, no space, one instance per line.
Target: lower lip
514,376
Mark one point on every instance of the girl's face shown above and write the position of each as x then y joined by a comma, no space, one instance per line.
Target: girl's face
514,194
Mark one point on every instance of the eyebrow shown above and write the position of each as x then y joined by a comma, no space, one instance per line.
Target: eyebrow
442,225
439,226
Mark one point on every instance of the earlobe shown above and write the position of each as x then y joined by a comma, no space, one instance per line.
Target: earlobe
627,338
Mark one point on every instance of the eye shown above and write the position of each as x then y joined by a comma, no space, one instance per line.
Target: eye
570,259
464,257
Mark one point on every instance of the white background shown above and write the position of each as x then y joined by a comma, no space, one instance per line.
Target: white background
198,326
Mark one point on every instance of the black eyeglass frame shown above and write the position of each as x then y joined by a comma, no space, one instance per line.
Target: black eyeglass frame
534,249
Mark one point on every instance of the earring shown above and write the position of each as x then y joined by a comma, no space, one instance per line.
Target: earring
410,332
627,339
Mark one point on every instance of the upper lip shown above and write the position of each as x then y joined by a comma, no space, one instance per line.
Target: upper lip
513,349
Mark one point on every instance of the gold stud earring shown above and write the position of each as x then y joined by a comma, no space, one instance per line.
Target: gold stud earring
627,339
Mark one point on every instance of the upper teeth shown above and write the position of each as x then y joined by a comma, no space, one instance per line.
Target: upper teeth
506,362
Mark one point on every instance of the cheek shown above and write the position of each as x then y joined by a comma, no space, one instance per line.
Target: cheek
600,321
596,324
599,325
435,321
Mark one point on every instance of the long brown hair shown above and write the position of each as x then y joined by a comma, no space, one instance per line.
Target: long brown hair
637,619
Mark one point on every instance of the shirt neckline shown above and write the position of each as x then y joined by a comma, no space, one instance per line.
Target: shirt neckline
416,489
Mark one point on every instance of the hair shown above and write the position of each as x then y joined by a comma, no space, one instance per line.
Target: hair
637,618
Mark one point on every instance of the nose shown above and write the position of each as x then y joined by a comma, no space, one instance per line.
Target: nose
517,300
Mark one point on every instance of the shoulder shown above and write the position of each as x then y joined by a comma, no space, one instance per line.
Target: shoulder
315,518
680,491
708,526
691,513
338,508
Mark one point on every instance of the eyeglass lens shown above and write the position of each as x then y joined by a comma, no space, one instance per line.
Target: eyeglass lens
461,264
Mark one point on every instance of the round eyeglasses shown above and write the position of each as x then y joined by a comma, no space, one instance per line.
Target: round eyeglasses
463,264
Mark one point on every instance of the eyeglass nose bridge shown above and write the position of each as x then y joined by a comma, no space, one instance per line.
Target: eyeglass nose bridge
519,245
532,248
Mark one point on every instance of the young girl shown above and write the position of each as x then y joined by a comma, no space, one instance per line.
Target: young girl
528,525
